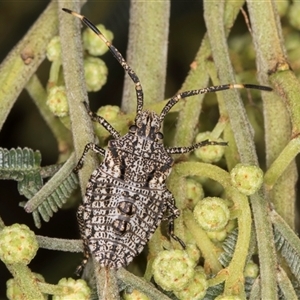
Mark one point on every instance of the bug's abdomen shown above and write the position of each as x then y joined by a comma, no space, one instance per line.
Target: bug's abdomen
119,218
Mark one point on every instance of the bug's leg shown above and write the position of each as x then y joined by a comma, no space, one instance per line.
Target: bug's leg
181,150
89,146
94,117
174,213
86,253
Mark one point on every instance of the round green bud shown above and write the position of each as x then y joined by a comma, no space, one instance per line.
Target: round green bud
293,14
212,214
209,153
193,252
13,291
194,192
227,201
80,289
251,270
57,101
196,288
93,44
231,297
95,73
217,236
18,244
109,112
173,269
246,178
135,295
231,225
54,49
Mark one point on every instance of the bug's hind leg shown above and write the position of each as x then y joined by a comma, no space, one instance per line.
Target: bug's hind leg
86,252
174,213
171,231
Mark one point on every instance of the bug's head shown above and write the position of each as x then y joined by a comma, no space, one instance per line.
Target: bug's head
147,125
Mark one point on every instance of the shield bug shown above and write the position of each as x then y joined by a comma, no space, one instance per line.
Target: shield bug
126,196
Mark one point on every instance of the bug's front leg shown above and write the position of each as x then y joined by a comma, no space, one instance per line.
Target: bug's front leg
90,146
173,214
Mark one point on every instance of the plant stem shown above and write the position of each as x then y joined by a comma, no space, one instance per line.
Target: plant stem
60,244
51,185
271,59
140,284
61,133
106,282
198,77
282,162
14,71
25,281
213,15
234,272
147,51
286,238
286,285
72,61
206,246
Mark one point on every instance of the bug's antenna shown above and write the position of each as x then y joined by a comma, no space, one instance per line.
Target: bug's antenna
210,89
118,56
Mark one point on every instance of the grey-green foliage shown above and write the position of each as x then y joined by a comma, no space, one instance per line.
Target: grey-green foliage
228,247
24,166
289,251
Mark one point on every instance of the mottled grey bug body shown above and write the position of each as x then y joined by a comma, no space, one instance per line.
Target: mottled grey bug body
126,197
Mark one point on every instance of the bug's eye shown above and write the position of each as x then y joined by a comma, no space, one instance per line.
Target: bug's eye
159,136
133,128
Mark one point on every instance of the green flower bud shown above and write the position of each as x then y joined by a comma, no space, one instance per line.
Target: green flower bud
231,297
93,44
173,269
193,252
109,112
13,291
57,101
194,192
196,288
247,178
80,289
217,236
251,270
231,225
293,15
95,73
18,244
135,295
209,153
212,214
54,49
